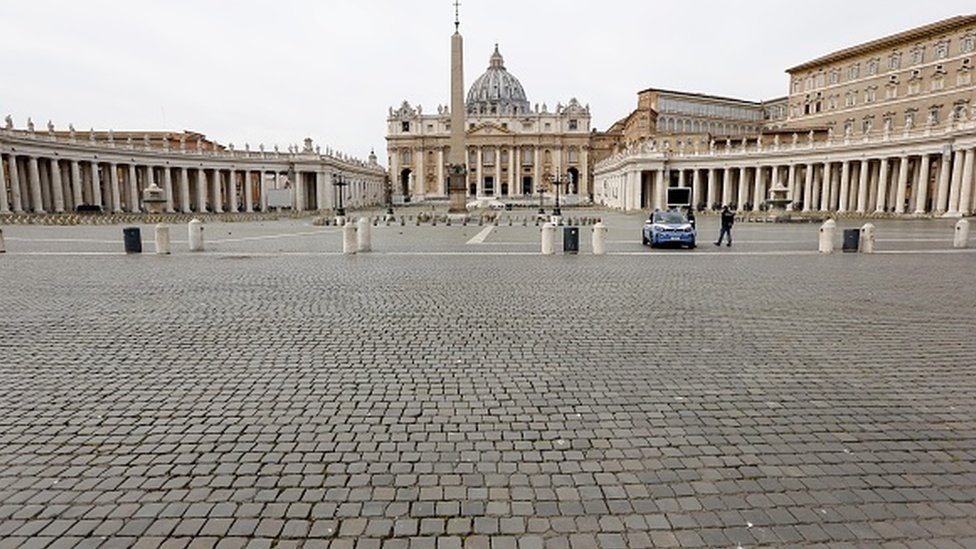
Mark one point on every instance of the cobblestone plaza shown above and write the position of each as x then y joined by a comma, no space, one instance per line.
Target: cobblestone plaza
456,389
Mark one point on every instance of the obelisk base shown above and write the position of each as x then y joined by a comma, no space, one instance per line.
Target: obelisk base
457,195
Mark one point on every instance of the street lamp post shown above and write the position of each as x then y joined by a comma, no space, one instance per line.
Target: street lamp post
542,210
338,182
558,181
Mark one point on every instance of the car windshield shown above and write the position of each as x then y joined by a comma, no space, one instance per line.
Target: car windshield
670,218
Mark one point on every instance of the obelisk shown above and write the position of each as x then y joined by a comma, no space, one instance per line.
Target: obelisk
457,178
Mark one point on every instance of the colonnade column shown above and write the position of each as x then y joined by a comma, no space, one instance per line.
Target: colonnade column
4,205
201,191
320,190
791,186
113,182
922,193
57,190
879,206
479,173
184,190
966,194
660,192
712,187
902,185
249,192
832,199
862,186
537,168
743,190
807,187
726,186
440,171
845,186
695,188
218,194
34,175
263,186
513,189
942,194
232,191
957,166
15,196
133,189
168,188
76,195
759,189
826,175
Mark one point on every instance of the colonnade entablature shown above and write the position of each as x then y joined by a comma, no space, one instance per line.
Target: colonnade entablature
926,171
54,172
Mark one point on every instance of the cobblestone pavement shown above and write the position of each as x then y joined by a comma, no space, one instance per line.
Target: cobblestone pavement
270,395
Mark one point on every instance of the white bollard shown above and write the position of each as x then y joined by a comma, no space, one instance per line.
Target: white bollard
362,229
349,243
599,239
340,221
162,239
3,247
960,238
195,228
548,236
866,243
827,231
556,220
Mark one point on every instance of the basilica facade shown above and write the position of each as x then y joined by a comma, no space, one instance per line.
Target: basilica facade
514,148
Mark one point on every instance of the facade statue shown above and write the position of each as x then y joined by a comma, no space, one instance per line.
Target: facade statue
8,122
111,136
71,131
30,125
50,127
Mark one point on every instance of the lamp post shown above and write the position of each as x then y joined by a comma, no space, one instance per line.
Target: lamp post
542,211
338,182
389,198
558,181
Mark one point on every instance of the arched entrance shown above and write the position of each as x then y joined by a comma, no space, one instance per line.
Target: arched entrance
405,183
574,179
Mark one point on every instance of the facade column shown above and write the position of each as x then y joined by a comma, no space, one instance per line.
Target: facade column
966,193
845,186
43,169
922,187
832,200
681,179
902,185
945,172
113,183
218,192
96,184
537,169
585,172
479,173
232,191
34,175
249,192
57,189
807,187
440,171
320,190
16,199
956,185
743,195
696,194
726,186
883,184
791,186
4,204
76,194
133,189
168,188
759,188
660,191
823,187
498,172
201,191
862,186
712,188
184,190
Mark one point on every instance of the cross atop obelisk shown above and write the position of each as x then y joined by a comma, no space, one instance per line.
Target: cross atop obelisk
457,178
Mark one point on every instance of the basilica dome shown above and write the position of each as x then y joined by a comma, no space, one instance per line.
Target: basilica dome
497,91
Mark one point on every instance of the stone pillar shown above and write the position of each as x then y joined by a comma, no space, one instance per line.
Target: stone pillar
743,194
440,171
945,172
537,169
320,190
660,192
845,186
791,186
902,185
479,172
150,176
34,175
263,185
696,194
44,171
727,186
862,186
834,188
218,194
4,204
585,171
133,198
712,187
57,190
823,187
232,191
956,186
498,171
168,188
883,185
249,192
513,182
807,187
966,193
184,190
759,188
113,185
681,179
201,191
922,186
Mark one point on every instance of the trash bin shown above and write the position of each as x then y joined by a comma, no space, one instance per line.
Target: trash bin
851,238
571,240
133,240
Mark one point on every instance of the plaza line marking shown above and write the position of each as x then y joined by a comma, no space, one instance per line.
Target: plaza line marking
481,236
273,236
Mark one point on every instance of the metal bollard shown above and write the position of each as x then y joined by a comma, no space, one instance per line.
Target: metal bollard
866,243
960,239
132,240
364,244
349,243
827,231
3,247
548,236
195,228
599,239
162,239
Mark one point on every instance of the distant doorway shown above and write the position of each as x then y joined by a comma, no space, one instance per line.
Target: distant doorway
527,184
489,186
573,181
405,183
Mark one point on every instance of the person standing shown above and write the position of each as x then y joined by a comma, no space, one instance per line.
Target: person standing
728,219
691,217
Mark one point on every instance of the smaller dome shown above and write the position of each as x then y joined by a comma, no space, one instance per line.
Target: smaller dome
496,91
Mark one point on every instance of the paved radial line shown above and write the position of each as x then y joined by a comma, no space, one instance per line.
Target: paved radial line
481,236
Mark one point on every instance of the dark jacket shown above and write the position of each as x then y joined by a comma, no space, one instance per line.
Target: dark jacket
728,218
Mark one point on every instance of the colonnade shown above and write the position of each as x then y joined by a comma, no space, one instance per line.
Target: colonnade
39,174
934,178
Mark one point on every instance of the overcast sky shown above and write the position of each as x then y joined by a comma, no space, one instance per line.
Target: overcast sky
276,72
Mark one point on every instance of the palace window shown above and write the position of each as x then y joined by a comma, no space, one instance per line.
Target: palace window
942,49
867,124
964,76
959,111
473,157
406,157
488,157
910,118
918,55
933,118
938,83
968,43
889,121
526,125
894,61
848,126
873,67
573,124
832,102
430,127
871,94
796,86
850,99
819,80
835,76
548,127
527,157
853,71
405,127
573,155
808,84
891,90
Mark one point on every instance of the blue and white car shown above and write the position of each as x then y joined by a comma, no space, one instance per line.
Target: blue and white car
668,228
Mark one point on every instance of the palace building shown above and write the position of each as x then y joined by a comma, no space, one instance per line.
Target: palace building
887,126
514,148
